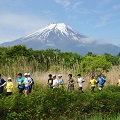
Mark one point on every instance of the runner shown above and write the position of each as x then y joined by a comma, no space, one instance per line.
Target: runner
80,82
9,87
20,81
60,80
2,84
50,81
27,83
31,85
71,83
55,82
101,82
93,82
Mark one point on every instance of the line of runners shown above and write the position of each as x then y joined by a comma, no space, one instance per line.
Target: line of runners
56,83
26,83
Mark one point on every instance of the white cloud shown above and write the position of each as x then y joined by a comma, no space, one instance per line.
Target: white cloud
107,16
115,41
64,3
17,25
85,11
79,8
88,40
76,5
91,40
101,24
104,23
107,19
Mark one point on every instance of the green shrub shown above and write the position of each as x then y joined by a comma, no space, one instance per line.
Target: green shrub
44,103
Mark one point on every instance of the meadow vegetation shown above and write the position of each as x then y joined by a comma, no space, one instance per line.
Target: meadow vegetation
62,104
20,59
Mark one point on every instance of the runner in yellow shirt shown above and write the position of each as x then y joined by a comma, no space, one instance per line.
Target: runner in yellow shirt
92,82
118,83
9,87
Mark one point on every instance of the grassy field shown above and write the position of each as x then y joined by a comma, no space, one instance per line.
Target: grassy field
45,104
61,104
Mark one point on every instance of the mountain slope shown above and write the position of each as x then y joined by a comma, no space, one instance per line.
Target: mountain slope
64,38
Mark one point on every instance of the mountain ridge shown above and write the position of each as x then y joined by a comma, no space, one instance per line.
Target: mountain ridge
63,37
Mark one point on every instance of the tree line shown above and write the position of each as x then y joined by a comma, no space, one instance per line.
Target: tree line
19,58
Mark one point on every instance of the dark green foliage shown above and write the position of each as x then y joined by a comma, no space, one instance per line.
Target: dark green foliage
44,103
54,60
115,60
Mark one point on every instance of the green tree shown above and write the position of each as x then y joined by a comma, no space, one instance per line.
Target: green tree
95,65
113,59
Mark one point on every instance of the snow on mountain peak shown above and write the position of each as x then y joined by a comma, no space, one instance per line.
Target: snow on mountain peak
62,27
57,26
51,26
58,29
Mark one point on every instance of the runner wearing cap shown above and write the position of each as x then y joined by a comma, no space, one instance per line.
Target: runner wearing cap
55,82
9,87
60,80
27,83
2,84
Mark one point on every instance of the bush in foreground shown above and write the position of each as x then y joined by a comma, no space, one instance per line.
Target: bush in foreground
44,103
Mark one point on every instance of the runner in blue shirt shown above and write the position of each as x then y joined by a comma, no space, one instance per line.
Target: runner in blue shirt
20,81
101,82
60,80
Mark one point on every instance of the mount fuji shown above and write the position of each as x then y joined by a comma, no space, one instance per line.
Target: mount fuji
61,36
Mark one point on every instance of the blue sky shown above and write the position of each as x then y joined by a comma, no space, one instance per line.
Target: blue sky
99,19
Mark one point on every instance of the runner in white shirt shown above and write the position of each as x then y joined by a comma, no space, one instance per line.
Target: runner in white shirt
27,82
31,82
55,82
80,82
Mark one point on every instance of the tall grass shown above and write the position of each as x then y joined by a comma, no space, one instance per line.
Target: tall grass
13,67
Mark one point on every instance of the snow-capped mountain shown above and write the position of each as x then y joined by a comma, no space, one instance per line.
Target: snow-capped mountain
63,37
59,30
